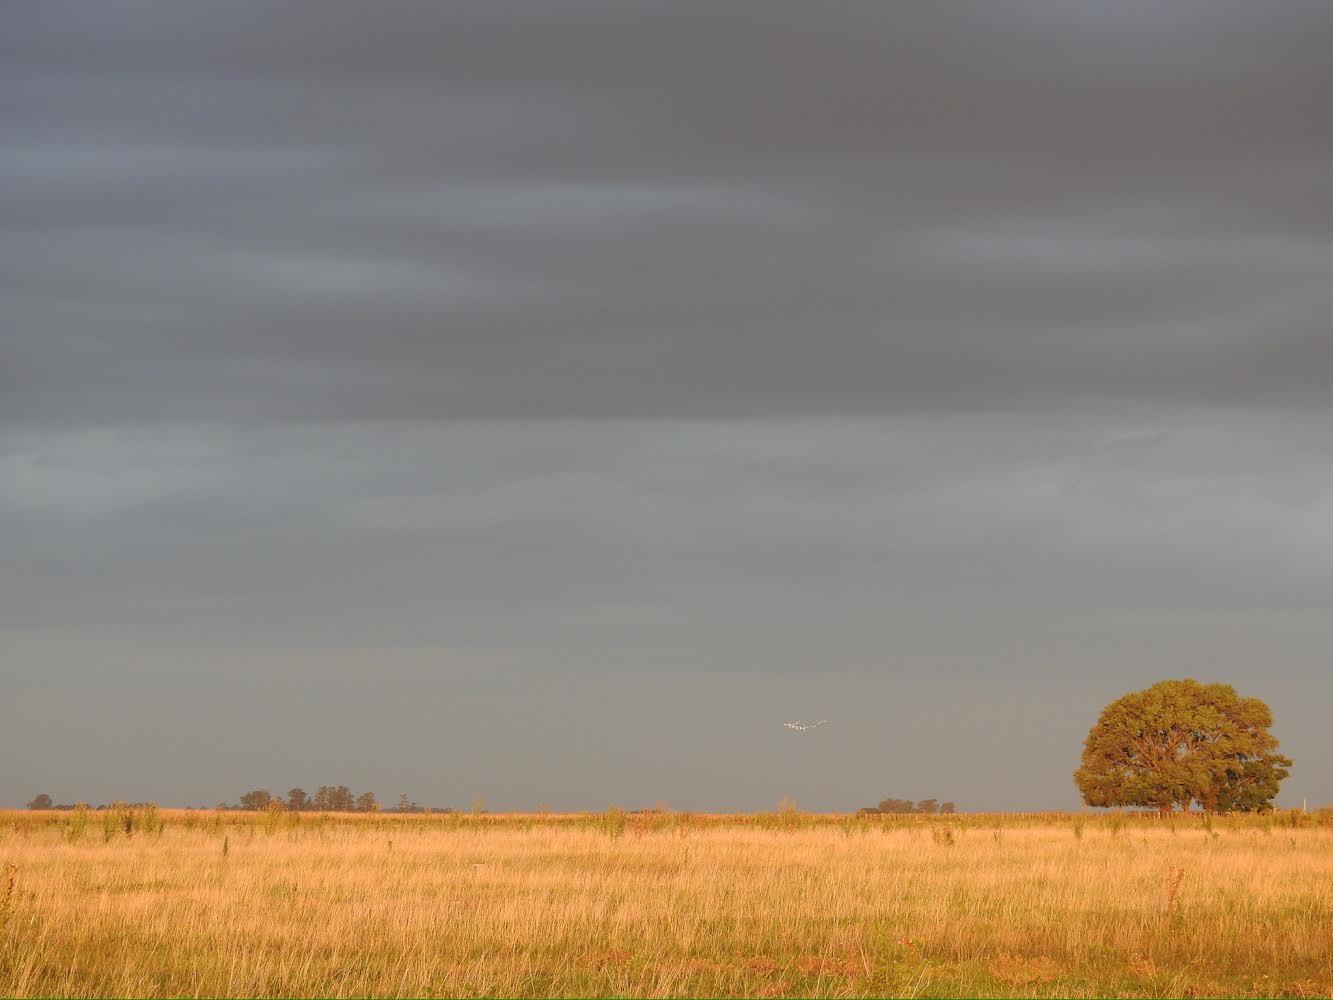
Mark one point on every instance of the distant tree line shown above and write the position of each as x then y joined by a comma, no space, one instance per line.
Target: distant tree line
327,798
44,801
925,807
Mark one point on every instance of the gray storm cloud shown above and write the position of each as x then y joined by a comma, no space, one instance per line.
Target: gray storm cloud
386,385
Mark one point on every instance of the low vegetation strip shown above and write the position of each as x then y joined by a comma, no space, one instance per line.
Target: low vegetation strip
665,904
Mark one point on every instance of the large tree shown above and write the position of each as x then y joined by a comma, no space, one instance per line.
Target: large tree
1180,742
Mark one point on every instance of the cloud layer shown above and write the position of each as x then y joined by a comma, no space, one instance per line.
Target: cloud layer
608,382
635,211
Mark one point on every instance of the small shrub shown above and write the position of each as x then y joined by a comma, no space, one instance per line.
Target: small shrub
273,816
110,825
613,822
77,824
145,818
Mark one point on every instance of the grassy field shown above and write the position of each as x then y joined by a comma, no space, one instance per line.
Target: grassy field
614,904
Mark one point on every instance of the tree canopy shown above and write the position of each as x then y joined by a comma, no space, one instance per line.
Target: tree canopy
1180,742
257,800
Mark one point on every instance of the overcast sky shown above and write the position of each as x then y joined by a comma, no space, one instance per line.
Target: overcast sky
546,401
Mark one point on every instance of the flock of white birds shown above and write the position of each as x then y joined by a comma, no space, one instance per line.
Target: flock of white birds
801,726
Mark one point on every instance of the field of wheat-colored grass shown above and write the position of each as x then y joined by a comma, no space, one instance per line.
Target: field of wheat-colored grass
232,904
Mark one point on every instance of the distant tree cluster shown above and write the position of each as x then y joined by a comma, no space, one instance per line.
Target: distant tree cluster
925,807
406,805
260,798
1181,742
327,798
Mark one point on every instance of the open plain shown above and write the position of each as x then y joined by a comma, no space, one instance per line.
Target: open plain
140,902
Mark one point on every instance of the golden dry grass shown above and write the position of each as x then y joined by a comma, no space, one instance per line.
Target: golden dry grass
616,905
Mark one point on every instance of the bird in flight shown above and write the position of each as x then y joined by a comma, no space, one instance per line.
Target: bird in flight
801,726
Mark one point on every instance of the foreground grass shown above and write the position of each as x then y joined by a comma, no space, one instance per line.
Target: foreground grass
191,904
